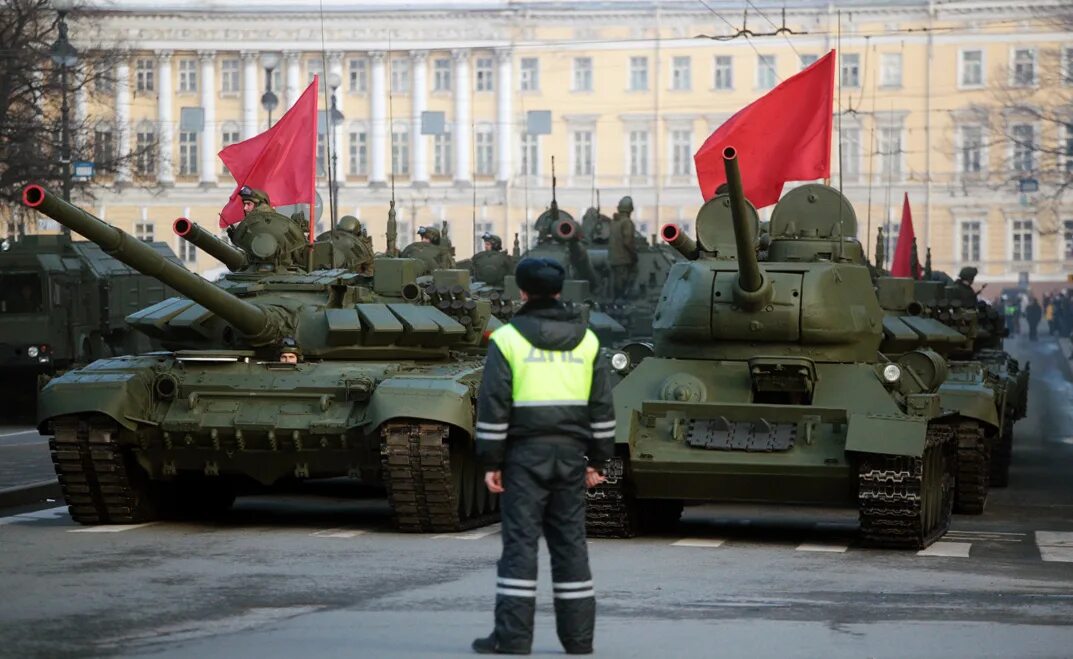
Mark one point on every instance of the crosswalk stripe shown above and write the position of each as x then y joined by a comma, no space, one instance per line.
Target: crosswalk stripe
338,533
111,528
470,535
947,549
1055,546
699,542
823,547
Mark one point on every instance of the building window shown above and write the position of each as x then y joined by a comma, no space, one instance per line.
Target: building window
358,73
583,74
315,67
145,231
1024,67
890,237
359,152
808,60
322,154
851,70
1067,240
103,80
971,234
681,152
400,76
971,160
530,74
681,73
638,74
724,72
638,153
229,135
530,154
229,80
972,68
1021,240
187,154
400,150
582,153
890,70
103,147
851,153
1066,149
485,146
277,79
187,76
441,75
442,155
765,71
890,152
145,151
187,251
1024,147
144,71
484,74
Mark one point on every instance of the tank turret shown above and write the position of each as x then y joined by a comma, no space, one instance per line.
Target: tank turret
232,257
568,232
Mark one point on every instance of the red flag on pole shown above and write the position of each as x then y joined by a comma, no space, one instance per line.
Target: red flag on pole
902,265
783,136
282,161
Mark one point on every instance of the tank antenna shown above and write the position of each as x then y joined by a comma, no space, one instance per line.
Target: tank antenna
329,152
473,175
391,121
554,203
841,200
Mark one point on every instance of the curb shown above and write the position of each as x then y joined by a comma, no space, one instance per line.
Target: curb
31,493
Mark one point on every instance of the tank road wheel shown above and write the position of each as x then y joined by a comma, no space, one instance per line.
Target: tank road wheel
906,501
1002,453
973,470
430,486
101,482
611,511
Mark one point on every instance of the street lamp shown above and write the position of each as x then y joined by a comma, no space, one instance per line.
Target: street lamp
64,55
336,118
269,101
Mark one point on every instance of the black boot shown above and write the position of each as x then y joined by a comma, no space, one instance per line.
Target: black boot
489,645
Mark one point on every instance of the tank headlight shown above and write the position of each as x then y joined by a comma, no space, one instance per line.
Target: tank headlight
892,373
32,351
620,361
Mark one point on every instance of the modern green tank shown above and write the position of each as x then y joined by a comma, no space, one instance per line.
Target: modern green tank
765,384
381,389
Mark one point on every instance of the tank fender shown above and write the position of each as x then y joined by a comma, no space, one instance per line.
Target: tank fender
971,403
889,434
441,400
124,396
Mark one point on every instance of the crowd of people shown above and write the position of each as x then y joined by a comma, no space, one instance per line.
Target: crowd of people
1056,309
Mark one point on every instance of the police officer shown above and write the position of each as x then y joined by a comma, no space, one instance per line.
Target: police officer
493,264
545,428
622,250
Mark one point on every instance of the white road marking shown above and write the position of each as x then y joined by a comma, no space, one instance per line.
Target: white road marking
19,432
1055,546
470,535
338,533
111,528
699,542
48,513
948,549
823,546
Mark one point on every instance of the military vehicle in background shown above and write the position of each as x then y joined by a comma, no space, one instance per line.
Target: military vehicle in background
275,374
765,385
62,303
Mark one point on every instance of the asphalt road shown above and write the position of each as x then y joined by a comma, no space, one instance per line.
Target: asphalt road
288,576
24,457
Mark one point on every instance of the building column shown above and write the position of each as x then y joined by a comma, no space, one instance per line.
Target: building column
378,114
165,121
250,87
79,139
503,115
291,62
207,164
462,135
418,142
122,118
335,66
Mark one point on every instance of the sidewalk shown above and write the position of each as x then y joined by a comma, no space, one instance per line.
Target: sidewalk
26,472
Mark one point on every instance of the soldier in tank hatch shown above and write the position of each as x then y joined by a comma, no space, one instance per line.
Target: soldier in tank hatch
493,264
429,250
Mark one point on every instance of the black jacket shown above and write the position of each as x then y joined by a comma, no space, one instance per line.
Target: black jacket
547,325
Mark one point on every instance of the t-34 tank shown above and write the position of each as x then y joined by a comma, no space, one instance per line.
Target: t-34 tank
272,376
765,384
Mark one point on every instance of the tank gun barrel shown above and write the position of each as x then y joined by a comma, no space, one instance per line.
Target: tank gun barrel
752,290
247,318
673,235
568,231
232,257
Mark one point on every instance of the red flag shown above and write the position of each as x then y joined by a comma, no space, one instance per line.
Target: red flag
282,161
902,264
783,136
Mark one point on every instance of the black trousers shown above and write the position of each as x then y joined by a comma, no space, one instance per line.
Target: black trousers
544,492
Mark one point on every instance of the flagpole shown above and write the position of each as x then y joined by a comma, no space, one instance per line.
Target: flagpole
313,174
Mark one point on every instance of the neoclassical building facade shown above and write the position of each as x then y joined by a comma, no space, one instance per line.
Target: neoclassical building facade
458,108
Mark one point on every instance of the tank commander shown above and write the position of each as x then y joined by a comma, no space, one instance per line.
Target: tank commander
545,428
289,353
429,250
351,246
622,248
254,201
493,264
966,277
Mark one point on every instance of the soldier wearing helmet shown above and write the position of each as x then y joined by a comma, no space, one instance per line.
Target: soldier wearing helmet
351,250
429,250
622,249
493,264
254,200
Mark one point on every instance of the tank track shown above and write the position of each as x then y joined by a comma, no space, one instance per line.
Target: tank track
98,479
415,459
610,510
895,506
1002,454
973,469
